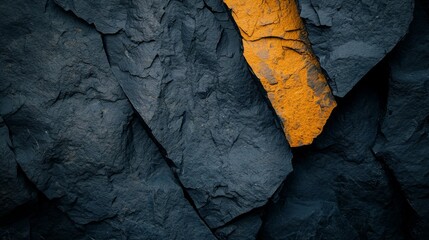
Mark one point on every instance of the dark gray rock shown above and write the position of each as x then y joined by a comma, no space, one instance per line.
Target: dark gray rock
48,222
78,162
403,141
352,36
107,16
76,136
337,189
40,219
193,88
181,66
14,190
16,231
245,227
308,220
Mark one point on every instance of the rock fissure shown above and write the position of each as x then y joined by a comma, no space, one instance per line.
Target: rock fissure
172,166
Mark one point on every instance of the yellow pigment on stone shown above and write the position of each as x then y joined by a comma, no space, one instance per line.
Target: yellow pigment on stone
277,49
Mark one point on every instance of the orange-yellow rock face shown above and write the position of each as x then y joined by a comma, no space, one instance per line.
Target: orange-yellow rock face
277,49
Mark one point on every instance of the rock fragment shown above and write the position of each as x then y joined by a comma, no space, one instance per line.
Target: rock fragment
278,51
351,36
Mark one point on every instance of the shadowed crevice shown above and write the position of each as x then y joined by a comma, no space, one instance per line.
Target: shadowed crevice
172,166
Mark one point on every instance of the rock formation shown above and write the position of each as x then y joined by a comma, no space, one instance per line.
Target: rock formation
158,119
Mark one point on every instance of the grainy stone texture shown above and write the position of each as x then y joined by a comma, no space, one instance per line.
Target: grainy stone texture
337,189
180,65
403,140
75,134
352,36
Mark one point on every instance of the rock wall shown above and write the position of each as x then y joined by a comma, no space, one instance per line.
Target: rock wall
149,120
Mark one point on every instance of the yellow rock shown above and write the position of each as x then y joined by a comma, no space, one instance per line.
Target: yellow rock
277,49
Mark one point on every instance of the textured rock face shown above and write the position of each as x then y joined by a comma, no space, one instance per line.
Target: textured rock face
403,141
277,49
142,120
351,36
244,228
338,190
75,135
186,77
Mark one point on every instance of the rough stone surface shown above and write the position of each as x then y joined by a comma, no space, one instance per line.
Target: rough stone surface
337,189
191,85
278,51
246,227
107,16
403,140
352,36
75,134
141,120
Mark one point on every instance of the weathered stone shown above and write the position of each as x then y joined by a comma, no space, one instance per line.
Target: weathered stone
107,16
141,120
244,228
75,134
278,51
337,189
352,36
191,85
403,140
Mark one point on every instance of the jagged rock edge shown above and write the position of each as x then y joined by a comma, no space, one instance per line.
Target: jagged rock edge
256,80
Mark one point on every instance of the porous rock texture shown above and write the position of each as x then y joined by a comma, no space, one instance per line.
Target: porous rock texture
351,36
142,120
278,51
